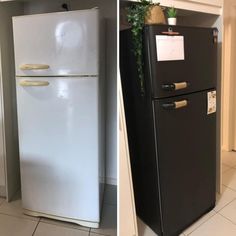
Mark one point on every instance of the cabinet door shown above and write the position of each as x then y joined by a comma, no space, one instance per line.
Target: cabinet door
198,68
59,151
208,2
186,146
68,45
128,221
2,153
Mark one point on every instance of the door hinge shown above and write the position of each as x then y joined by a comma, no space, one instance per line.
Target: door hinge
215,35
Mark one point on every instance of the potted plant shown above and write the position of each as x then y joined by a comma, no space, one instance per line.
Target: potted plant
171,15
154,14
144,12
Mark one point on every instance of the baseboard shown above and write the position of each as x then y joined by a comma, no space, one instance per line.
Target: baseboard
111,181
2,191
223,148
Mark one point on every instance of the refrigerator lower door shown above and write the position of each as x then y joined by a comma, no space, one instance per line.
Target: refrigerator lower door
59,152
186,149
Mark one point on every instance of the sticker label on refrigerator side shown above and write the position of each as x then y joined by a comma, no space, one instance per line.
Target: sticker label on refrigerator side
170,48
211,102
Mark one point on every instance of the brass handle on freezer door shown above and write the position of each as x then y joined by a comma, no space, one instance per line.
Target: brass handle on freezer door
175,86
34,67
175,105
34,83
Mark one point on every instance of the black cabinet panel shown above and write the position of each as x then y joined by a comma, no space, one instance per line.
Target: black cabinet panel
172,151
186,144
141,138
198,69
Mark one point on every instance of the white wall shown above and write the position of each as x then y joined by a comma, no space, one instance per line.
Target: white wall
108,11
229,72
8,117
127,211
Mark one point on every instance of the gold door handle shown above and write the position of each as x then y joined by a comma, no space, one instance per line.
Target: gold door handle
175,105
181,104
34,67
33,83
181,85
175,86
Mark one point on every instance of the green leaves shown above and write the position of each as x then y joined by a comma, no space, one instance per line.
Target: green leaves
171,12
136,17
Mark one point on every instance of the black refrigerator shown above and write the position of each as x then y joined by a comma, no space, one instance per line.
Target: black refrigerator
172,125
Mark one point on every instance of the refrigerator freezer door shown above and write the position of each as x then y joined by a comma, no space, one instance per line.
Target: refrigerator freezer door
196,71
57,44
59,152
186,143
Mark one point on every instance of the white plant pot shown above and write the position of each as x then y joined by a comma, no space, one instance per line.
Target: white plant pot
172,21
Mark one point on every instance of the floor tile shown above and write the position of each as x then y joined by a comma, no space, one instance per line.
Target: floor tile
229,158
2,200
63,224
15,226
221,224
230,211
110,195
216,226
199,222
94,234
14,208
45,229
143,229
225,168
108,222
226,197
229,179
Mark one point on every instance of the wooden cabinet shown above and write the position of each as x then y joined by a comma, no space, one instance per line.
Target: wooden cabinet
205,6
229,86
218,3
127,212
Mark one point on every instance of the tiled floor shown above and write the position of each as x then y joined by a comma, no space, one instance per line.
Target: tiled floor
221,221
14,223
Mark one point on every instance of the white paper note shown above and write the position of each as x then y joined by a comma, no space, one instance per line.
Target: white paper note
170,48
211,102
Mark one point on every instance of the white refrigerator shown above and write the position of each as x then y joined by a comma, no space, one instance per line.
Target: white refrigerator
60,115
